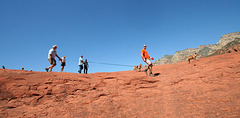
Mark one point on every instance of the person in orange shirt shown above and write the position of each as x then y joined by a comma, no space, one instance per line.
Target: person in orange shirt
146,58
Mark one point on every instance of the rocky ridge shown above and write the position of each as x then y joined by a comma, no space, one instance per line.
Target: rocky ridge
227,43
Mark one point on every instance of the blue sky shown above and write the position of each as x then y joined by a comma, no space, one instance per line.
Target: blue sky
108,31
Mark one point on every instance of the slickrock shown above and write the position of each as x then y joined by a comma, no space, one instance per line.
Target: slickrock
208,87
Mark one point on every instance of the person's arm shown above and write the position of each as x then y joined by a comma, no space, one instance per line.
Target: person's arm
143,58
50,58
61,61
59,57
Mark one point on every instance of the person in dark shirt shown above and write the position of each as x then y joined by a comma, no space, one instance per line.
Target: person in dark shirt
85,66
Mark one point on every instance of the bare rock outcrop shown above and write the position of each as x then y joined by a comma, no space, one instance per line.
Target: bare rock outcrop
208,87
227,43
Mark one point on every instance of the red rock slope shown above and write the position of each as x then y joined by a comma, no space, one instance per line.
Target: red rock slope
209,87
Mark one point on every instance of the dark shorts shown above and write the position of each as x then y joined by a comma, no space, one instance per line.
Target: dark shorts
63,64
52,61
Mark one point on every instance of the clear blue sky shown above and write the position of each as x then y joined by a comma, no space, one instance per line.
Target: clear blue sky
108,31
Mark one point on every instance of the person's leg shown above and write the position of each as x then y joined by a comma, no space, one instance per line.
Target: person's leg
53,64
63,65
62,68
150,69
81,67
147,62
47,69
146,70
51,67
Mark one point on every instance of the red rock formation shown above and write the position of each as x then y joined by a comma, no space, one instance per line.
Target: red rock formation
209,87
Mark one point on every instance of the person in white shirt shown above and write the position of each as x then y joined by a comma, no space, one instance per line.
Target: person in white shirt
80,63
51,58
63,63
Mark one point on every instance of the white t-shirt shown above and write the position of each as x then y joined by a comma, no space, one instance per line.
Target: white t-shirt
53,53
63,60
80,61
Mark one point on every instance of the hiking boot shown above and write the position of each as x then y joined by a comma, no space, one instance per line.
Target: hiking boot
46,69
152,75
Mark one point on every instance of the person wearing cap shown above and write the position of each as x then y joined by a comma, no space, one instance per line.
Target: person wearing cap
51,58
146,58
80,63
63,63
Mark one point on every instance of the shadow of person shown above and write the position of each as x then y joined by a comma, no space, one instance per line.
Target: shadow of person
156,74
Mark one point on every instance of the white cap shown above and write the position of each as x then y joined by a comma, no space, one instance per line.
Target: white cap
54,46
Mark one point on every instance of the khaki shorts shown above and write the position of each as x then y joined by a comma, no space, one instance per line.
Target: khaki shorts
148,61
52,61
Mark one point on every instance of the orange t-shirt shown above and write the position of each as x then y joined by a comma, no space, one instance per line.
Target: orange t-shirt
145,54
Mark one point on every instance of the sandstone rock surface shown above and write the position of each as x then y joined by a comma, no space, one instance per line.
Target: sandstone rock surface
209,87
